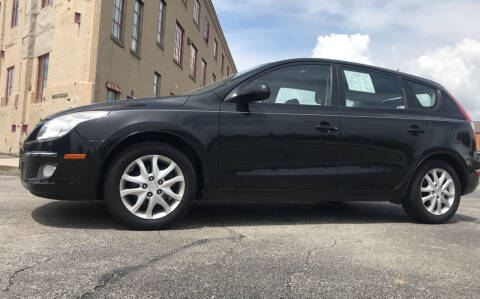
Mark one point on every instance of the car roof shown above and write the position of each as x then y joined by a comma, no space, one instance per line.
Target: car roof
354,64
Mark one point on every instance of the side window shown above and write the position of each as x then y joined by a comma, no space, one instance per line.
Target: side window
426,95
365,89
300,85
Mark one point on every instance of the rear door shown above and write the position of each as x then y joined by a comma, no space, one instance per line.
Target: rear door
289,141
381,136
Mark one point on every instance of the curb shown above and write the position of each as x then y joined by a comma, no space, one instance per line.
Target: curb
10,171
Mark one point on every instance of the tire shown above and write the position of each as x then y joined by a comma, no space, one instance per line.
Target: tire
431,212
129,199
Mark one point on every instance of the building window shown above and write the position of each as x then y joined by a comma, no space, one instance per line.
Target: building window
161,22
178,52
196,12
42,76
136,26
15,13
9,90
228,70
193,61
203,80
223,63
46,3
206,33
117,27
215,49
112,95
156,84
214,77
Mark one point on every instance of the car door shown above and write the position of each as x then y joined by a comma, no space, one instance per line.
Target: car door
289,141
381,135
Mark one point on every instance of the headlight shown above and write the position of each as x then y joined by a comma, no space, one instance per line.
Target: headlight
60,126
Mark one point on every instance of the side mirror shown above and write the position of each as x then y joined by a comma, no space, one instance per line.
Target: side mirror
252,92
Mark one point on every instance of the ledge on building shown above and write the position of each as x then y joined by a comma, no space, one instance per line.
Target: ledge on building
119,42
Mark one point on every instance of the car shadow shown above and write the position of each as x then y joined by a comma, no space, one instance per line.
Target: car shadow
94,215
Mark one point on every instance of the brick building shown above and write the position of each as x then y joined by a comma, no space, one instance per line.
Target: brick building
58,54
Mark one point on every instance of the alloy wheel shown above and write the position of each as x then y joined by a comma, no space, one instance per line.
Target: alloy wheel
437,191
152,187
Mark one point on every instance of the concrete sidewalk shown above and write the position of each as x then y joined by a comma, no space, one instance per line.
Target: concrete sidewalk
9,165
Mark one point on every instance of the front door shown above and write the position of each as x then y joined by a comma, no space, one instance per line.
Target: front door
289,141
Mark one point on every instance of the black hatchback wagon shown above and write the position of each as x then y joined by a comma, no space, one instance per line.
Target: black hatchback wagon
295,130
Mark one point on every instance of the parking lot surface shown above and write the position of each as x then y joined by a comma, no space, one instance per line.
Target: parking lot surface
55,249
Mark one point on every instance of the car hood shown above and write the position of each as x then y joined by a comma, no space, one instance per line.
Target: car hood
155,103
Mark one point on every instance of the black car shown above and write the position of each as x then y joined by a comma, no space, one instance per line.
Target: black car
295,130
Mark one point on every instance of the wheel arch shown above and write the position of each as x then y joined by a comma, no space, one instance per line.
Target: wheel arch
453,159
165,137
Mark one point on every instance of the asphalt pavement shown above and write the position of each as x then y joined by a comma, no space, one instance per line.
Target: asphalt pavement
55,249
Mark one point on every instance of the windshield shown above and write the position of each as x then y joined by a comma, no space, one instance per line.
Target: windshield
210,87
219,83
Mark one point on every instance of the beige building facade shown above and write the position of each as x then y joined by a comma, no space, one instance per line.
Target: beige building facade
60,54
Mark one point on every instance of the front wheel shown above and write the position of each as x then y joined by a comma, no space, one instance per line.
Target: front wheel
150,185
434,196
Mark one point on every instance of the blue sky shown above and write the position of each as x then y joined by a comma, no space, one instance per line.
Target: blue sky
435,39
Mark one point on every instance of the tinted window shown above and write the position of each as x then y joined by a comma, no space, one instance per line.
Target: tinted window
426,95
364,89
300,85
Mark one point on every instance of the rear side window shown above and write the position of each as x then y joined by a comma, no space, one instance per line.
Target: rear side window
365,89
426,95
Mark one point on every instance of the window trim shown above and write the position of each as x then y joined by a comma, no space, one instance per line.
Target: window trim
179,62
196,17
46,3
39,95
121,25
117,94
10,84
204,66
193,71
161,22
215,49
223,63
342,84
206,34
157,86
136,52
15,10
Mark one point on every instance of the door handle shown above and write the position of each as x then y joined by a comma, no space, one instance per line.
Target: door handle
326,127
415,130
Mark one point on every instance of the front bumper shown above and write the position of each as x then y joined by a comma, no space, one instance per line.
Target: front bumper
72,179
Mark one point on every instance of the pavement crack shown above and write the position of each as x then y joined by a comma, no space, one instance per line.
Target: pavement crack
305,267
118,273
238,236
11,278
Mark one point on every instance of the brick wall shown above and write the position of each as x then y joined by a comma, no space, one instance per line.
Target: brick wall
478,141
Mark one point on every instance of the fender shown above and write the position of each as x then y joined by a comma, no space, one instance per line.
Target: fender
434,152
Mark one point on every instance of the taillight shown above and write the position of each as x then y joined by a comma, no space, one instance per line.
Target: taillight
465,114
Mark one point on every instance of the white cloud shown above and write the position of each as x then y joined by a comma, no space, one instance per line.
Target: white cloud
456,67
343,47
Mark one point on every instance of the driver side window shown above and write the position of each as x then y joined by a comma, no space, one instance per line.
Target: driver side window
299,85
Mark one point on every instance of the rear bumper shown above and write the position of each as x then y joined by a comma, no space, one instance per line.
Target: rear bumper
471,183
72,179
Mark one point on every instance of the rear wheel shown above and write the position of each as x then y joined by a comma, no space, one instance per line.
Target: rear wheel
150,185
434,196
